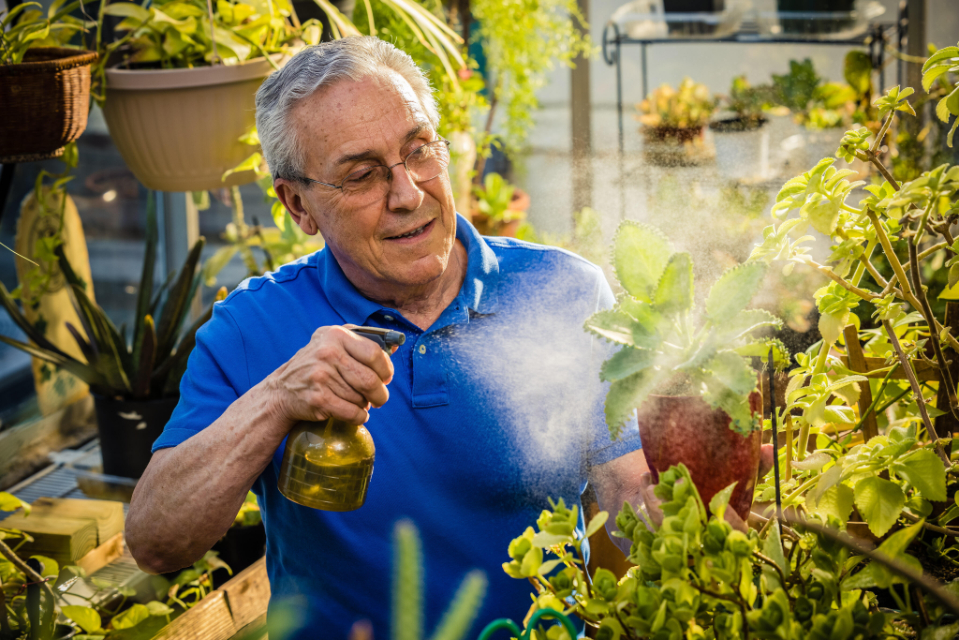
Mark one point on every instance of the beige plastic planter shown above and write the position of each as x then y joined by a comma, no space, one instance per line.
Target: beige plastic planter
179,129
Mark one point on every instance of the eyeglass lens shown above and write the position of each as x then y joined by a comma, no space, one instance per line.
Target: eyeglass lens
425,163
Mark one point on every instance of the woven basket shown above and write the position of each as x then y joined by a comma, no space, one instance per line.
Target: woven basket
44,102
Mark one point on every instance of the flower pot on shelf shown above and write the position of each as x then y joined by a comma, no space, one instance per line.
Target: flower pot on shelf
509,226
180,129
686,429
127,431
44,101
742,148
815,17
676,146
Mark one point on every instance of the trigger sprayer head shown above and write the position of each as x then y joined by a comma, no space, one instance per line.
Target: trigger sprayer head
386,338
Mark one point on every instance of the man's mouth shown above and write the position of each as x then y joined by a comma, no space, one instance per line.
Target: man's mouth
413,233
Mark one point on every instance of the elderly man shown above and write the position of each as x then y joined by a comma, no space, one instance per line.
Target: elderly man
492,405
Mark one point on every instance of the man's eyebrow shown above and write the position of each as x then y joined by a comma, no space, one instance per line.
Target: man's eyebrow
363,155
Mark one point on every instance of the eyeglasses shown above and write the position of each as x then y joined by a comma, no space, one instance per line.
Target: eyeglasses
373,182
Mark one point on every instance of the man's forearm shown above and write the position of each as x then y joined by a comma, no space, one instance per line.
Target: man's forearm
190,494
616,482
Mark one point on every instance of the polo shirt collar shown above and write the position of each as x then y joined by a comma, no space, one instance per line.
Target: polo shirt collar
479,290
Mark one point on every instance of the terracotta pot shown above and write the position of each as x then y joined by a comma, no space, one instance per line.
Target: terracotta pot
44,102
686,429
179,129
518,203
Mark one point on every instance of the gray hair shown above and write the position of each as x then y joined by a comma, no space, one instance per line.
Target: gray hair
353,58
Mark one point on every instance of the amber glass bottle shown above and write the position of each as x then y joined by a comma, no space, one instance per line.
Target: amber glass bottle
327,465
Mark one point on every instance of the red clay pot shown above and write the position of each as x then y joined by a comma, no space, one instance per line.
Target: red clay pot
686,429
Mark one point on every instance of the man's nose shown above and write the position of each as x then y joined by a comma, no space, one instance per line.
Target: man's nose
404,192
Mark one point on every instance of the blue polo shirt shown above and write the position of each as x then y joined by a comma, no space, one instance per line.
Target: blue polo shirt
492,410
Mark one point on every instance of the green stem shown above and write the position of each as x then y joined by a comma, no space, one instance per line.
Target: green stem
882,133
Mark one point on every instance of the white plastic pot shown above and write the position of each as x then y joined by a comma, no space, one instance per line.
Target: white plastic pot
179,129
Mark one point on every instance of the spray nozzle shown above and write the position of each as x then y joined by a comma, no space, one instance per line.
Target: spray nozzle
386,338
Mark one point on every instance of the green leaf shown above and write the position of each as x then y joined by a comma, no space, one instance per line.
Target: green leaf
879,502
613,325
157,608
733,291
50,566
731,371
719,502
674,293
945,632
640,253
127,10
894,548
85,617
837,502
545,539
133,616
625,396
626,362
924,470
596,523
10,502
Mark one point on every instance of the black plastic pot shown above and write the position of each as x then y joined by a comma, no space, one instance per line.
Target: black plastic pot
128,429
693,6
814,25
242,546
737,124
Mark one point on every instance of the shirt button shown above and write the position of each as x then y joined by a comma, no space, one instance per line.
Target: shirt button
422,349
388,318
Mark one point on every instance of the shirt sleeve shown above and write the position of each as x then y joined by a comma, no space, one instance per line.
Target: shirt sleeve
216,375
602,448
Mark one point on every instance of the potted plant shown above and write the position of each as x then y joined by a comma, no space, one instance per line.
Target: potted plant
135,381
694,390
500,207
44,86
742,151
674,121
794,16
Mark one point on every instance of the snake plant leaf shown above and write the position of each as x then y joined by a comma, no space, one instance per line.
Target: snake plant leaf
88,349
625,363
145,292
20,320
166,379
613,325
81,370
178,303
733,291
115,359
141,384
674,293
640,254
626,395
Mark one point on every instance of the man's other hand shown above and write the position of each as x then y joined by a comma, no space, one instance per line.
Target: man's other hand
338,374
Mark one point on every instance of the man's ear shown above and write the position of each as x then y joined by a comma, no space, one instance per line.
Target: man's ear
288,192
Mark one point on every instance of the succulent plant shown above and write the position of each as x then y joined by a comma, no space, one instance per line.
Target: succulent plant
687,107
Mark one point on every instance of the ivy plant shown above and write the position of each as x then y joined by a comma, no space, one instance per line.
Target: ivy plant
667,340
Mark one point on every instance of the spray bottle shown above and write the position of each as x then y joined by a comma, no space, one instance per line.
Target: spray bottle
327,465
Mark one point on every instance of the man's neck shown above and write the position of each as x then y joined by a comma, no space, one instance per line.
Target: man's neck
423,305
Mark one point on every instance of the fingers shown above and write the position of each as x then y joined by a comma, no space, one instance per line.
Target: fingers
368,353
766,459
652,502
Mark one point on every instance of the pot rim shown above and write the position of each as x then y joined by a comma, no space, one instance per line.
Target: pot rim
64,58
163,79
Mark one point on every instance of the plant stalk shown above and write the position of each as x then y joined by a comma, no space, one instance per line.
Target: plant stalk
934,339
24,568
928,585
917,391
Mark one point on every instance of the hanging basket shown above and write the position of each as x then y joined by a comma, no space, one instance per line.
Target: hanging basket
180,129
44,101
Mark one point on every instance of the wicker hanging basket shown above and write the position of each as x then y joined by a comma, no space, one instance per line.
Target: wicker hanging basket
44,101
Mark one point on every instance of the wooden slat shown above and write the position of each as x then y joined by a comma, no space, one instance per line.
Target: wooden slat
66,540
248,593
857,362
924,370
209,620
107,514
102,555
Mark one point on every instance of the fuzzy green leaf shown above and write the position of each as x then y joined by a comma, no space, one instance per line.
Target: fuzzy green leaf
733,291
924,470
626,362
674,293
879,502
625,396
462,611
732,371
613,325
640,253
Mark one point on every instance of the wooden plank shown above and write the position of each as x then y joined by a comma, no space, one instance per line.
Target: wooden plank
102,555
107,514
25,448
947,424
237,607
924,370
209,620
248,593
857,362
256,630
66,540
